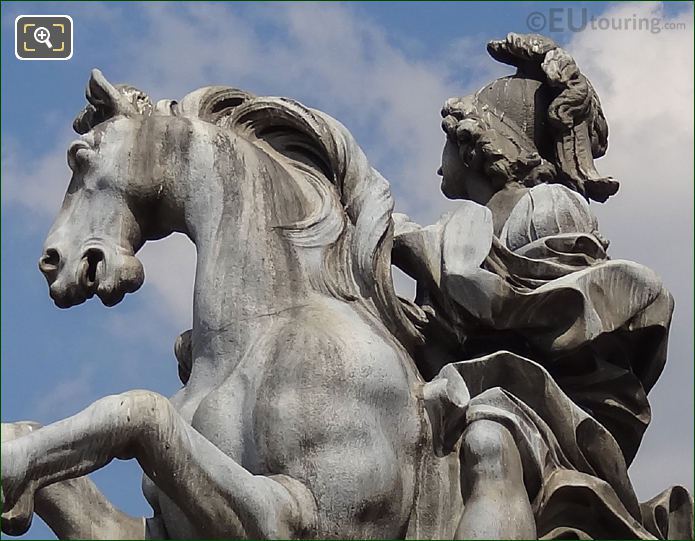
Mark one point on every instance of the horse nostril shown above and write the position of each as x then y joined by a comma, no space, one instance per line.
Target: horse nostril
50,261
93,256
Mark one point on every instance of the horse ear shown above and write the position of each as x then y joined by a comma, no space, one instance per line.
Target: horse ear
106,97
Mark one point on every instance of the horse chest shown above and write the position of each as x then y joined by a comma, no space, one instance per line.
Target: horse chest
219,415
224,417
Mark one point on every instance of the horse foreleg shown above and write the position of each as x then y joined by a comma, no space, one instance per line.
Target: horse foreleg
75,508
218,496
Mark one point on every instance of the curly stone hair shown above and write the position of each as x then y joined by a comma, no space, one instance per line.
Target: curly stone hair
493,149
543,124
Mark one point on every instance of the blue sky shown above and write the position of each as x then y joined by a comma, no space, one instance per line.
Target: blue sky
381,68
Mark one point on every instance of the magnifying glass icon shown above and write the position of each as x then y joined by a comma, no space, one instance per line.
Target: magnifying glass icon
42,35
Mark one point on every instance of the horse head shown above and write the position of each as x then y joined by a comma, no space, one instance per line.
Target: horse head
137,165
91,246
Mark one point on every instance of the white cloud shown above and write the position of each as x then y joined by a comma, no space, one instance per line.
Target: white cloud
170,267
645,82
36,185
66,397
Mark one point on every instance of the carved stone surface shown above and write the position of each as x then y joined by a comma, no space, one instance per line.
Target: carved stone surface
506,401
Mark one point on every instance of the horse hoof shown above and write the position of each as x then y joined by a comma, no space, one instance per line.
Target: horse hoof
17,513
17,520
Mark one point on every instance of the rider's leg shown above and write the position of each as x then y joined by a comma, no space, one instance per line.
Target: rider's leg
494,495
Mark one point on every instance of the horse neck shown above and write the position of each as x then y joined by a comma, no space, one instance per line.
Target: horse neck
246,273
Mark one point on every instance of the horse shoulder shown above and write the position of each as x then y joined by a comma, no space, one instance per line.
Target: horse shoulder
338,354
336,412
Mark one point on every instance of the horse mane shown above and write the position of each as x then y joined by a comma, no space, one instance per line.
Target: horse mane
348,237
351,229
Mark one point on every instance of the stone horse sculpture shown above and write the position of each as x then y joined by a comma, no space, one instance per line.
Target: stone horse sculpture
316,403
303,414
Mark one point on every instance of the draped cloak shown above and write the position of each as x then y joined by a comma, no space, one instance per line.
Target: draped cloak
562,346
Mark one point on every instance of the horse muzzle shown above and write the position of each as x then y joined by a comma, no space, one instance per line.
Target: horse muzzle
109,274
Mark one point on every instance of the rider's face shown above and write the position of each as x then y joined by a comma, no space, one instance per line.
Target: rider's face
460,181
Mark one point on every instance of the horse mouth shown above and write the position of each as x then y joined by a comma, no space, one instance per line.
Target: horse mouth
93,277
111,297
67,299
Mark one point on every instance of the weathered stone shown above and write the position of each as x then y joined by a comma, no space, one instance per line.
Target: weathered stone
506,401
